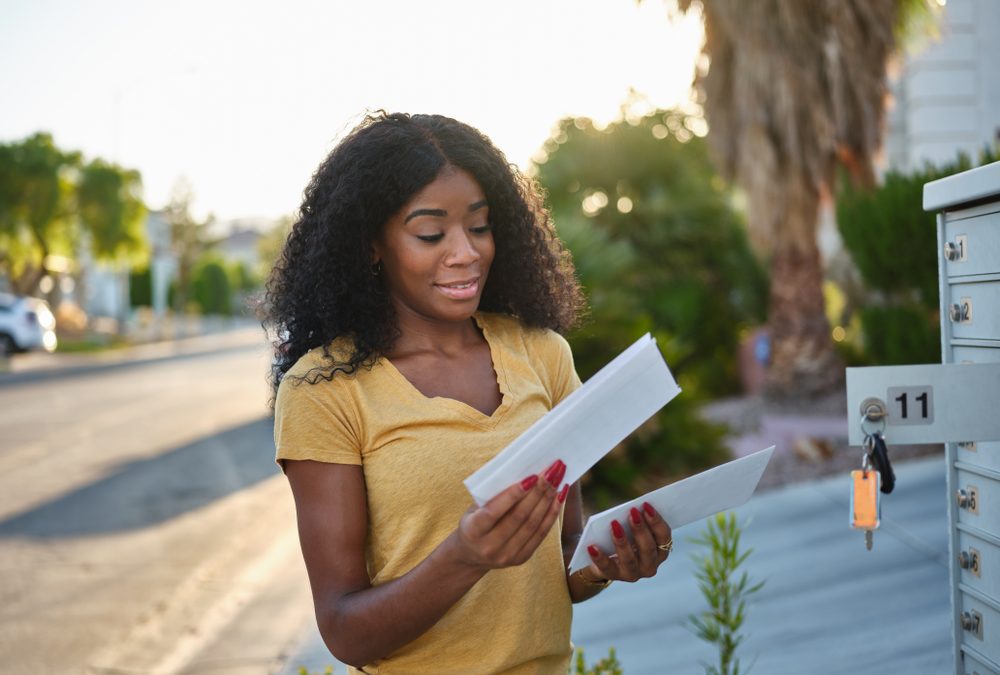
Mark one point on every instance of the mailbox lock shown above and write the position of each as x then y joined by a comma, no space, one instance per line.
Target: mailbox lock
960,312
968,498
873,409
955,250
973,622
969,560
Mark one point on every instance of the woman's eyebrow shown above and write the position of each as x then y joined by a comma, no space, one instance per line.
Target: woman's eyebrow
441,213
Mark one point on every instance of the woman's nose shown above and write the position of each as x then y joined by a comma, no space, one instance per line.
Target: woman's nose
462,252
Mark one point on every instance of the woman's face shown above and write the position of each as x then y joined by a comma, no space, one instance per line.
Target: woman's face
437,250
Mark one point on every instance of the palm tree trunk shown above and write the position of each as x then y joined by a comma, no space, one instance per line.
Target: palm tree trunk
803,359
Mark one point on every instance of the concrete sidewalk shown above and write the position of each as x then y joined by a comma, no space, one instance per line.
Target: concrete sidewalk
828,605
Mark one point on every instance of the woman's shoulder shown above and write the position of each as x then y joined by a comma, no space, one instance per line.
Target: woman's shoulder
322,359
510,329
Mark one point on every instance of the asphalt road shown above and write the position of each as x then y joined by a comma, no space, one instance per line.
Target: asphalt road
143,524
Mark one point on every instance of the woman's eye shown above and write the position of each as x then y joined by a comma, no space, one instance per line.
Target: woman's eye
481,229
430,238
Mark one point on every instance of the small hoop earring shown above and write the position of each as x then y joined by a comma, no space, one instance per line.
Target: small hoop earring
377,268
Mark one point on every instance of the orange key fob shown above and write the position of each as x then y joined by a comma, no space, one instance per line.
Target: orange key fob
865,503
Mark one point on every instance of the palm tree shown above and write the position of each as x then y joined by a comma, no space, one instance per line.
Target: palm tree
793,90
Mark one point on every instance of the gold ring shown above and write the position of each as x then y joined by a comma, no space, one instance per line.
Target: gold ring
668,547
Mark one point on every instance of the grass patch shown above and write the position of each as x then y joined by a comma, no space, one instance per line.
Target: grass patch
90,344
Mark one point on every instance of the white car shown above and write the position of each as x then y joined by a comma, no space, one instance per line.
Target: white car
25,324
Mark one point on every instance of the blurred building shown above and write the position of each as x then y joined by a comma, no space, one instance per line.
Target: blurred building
947,96
105,287
241,245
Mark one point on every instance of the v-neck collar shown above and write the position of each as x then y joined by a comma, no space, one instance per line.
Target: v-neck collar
464,409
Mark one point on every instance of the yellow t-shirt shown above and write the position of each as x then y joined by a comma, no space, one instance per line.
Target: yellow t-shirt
415,452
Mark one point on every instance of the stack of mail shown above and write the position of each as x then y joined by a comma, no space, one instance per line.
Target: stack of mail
585,425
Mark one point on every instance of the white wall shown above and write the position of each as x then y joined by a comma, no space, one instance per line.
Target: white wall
947,97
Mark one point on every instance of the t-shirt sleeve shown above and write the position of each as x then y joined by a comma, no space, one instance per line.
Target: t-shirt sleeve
564,378
315,421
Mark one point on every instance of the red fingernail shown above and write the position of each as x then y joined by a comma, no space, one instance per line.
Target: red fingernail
617,529
562,474
635,515
549,472
529,483
593,551
556,476
563,493
648,508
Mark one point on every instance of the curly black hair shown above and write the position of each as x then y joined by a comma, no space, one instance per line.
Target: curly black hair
322,286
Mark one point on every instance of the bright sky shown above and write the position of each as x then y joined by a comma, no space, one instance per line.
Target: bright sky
244,99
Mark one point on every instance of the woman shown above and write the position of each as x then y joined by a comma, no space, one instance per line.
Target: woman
419,300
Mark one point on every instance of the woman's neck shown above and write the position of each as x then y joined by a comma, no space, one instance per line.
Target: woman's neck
420,334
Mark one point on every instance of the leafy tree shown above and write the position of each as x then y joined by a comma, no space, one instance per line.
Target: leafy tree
49,198
36,193
792,91
109,199
653,231
658,248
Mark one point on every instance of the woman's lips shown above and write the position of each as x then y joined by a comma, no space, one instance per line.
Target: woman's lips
460,290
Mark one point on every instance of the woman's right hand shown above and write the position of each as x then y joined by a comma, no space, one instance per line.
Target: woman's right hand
506,530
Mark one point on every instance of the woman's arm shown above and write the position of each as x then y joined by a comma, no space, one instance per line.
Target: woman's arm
579,589
361,623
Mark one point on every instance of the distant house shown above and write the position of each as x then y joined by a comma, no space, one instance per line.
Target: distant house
241,245
947,97
105,287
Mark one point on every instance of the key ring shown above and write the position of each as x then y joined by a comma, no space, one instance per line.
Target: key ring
866,432
866,462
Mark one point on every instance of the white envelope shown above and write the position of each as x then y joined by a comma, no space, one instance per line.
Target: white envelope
719,489
585,425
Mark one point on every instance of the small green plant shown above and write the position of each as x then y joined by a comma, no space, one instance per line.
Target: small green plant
609,665
305,671
726,594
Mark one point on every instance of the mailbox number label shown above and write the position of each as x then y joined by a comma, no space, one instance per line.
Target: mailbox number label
910,405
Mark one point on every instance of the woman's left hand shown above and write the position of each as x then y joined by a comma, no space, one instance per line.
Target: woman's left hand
637,556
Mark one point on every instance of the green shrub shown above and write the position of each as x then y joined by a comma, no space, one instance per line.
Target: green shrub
898,335
140,288
211,288
893,243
